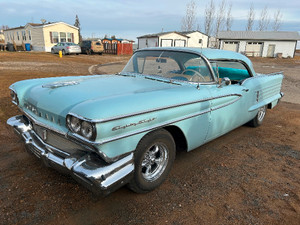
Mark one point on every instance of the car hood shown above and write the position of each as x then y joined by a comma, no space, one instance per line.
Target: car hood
93,97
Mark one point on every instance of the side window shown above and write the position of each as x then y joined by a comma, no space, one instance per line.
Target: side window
198,67
235,71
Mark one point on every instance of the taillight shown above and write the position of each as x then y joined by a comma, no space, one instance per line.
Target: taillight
68,47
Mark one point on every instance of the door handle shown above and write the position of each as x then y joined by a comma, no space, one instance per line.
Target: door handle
246,89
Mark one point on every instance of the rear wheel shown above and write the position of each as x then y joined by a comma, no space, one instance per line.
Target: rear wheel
63,52
258,119
52,51
154,157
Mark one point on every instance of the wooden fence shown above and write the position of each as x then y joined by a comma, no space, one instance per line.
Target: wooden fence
118,49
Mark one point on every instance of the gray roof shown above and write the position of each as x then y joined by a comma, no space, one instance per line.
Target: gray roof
192,31
160,34
259,35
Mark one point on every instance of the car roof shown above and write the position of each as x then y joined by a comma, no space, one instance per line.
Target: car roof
209,53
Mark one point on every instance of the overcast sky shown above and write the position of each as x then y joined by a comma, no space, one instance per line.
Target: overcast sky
132,18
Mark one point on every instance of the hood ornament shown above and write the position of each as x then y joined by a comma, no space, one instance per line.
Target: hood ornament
60,84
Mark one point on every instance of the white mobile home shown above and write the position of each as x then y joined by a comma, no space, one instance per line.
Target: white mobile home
42,36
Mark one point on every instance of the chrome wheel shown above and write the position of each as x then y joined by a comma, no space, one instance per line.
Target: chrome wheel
154,162
154,157
261,113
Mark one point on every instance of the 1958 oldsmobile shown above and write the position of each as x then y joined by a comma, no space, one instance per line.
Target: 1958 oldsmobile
111,130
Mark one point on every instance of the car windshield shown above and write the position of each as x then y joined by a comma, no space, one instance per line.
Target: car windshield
175,65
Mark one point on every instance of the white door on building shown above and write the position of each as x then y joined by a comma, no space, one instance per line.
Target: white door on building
179,43
254,49
231,46
166,42
271,51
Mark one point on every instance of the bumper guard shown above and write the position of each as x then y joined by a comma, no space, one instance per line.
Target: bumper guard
85,167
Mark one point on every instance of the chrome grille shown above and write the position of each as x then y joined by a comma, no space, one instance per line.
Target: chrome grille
57,140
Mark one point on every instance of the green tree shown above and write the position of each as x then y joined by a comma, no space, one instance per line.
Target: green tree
77,24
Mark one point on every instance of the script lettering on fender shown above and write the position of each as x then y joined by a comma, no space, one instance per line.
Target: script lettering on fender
132,124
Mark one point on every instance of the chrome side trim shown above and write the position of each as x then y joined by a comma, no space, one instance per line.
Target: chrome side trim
152,127
104,141
227,104
149,111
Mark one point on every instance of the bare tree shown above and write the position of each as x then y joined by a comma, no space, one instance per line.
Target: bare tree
4,27
229,18
277,20
220,17
189,20
251,16
264,19
209,17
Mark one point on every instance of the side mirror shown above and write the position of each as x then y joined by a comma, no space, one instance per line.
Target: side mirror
224,82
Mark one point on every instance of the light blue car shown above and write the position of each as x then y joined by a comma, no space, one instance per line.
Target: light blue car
111,130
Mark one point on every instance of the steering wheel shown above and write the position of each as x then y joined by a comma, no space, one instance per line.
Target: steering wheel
195,73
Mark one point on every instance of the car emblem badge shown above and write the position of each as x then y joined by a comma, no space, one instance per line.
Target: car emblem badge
44,135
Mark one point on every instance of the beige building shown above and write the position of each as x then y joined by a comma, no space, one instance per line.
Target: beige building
197,39
42,36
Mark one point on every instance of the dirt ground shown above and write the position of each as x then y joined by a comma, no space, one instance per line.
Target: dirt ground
248,176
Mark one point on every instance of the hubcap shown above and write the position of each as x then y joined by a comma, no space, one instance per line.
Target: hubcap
261,113
154,162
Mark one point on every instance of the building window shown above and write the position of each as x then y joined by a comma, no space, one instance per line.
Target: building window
200,41
24,35
62,37
29,35
69,37
18,36
55,37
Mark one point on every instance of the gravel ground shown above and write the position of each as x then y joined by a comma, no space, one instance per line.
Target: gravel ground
248,176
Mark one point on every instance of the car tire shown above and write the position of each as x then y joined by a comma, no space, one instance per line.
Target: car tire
52,51
63,52
154,157
258,119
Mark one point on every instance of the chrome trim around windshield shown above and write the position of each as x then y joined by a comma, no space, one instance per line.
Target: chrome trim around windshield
188,51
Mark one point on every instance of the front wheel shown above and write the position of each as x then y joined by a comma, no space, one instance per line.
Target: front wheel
154,157
258,119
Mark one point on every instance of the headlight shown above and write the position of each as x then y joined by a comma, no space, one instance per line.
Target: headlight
87,129
81,127
14,97
75,124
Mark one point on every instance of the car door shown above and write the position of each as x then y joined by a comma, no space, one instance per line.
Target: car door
230,102
57,48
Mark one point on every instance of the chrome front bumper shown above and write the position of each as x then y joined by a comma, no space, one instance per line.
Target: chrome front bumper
85,167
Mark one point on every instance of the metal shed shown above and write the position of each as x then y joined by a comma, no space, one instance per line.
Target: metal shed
260,43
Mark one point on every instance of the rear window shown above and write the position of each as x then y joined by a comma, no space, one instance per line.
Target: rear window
231,69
